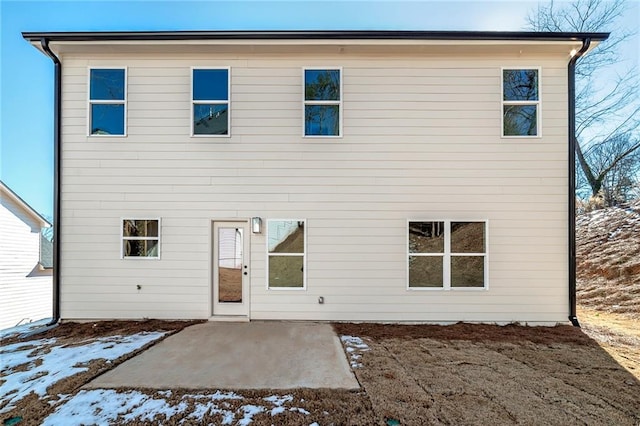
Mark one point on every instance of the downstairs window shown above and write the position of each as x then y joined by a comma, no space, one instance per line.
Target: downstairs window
447,255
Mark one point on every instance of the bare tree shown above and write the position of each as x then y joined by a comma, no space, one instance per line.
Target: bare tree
607,116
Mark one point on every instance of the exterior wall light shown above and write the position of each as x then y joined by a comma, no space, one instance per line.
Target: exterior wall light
256,225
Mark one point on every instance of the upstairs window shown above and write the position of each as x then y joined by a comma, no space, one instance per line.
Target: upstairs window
286,254
520,102
107,101
322,102
447,255
210,97
141,238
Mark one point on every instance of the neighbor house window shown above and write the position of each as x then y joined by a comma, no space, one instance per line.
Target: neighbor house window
141,238
322,102
520,102
107,101
286,254
447,254
210,97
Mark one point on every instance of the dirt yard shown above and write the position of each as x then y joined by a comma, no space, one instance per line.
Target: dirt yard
417,375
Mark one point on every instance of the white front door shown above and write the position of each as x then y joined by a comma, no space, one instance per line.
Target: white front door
230,269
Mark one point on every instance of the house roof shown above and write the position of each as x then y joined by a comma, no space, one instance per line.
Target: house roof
6,191
445,43
311,35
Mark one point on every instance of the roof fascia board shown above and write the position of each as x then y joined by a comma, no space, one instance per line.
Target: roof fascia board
312,35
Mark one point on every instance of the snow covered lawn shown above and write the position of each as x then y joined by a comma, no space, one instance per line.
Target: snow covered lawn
35,365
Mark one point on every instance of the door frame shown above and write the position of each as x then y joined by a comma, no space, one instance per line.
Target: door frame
232,311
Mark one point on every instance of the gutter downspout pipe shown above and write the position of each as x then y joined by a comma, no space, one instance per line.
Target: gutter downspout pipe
572,180
57,128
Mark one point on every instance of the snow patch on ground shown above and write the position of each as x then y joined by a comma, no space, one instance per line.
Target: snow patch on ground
354,346
35,365
105,406
23,329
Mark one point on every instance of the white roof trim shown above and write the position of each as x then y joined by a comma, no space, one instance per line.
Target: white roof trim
23,204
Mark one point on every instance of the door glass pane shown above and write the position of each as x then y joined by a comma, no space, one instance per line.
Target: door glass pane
425,271
229,265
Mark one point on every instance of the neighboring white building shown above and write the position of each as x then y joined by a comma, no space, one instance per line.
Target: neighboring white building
419,176
25,276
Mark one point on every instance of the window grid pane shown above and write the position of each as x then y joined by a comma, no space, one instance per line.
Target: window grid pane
107,119
107,84
467,237
322,85
520,85
426,237
426,271
286,271
520,120
210,85
322,120
210,119
467,271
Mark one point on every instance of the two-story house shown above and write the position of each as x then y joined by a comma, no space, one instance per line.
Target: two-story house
315,175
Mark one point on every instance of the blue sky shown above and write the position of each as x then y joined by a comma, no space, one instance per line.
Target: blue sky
26,76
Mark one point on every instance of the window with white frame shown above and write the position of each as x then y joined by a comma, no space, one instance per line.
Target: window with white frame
286,254
141,238
447,254
210,97
520,102
322,102
107,101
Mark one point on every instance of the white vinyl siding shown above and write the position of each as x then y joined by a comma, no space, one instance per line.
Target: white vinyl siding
421,138
25,289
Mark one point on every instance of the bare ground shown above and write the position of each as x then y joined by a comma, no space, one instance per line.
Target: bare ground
616,334
417,375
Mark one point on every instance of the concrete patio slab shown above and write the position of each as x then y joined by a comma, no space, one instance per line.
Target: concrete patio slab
254,355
